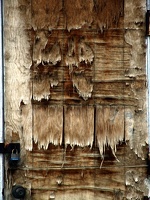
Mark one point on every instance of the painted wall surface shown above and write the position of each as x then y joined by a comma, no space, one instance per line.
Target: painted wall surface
75,98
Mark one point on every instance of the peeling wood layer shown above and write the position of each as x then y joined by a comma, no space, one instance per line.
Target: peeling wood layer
75,84
78,67
103,14
109,127
79,125
52,119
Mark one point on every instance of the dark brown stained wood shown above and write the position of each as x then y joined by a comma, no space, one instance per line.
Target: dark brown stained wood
74,21
44,18
78,169
104,14
52,12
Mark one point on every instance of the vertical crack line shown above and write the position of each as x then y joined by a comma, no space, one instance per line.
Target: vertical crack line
32,106
148,80
63,141
124,150
94,138
2,176
63,129
148,90
63,77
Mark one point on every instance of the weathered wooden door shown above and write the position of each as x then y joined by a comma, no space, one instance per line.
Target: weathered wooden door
75,98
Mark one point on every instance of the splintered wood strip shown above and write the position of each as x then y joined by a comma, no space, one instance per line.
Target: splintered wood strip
27,125
47,17
53,55
102,126
83,87
48,125
79,125
41,89
116,126
109,126
129,124
41,54
40,42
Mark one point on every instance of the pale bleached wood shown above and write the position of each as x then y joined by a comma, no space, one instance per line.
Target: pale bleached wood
17,65
27,126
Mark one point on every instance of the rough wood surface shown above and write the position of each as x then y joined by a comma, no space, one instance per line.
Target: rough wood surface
79,125
109,127
52,119
75,75
77,173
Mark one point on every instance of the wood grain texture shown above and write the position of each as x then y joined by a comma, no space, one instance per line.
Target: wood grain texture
79,125
75,75
64,173
109,127
18,62
52,119
104,14
47,16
